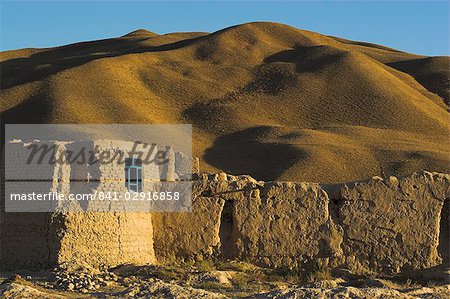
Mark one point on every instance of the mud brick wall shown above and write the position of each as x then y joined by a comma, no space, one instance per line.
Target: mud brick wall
42,240
19,152
194,235
107,239
108,177
286,224
185,165
28,241
182,236
377,226
36,240
393,225
273,224
27,178
371,227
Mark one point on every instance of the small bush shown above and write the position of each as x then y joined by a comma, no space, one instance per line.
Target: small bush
286,275
236,266
320,275
205,265
187,264
243,267
167,274
240,281
162,272
246,283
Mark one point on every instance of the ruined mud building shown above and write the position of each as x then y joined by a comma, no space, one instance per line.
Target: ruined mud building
390,225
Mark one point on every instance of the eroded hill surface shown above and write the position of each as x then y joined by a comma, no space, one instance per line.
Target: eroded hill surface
265,99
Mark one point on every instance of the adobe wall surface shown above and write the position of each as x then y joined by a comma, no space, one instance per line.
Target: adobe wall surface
393,225
375,226
182,236
27,241
198,234
275,224
107,239
39,240
286,224
107,177
17,156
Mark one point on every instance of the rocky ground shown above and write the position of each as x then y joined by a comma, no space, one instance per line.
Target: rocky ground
208,280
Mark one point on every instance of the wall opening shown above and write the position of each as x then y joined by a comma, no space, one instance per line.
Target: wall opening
444,238
227,242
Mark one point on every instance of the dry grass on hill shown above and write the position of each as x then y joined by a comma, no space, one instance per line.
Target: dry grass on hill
265,99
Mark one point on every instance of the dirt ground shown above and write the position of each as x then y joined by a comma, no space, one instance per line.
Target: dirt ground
215,280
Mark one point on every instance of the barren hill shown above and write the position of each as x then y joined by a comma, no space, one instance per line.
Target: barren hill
265,99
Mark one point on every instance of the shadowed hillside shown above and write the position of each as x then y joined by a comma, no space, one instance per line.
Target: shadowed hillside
265,99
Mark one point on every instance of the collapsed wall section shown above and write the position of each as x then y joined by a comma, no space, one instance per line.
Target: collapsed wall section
372,227
199,234
274,224
194,235
379,226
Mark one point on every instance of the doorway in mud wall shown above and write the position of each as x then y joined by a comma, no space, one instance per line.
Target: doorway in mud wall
226,231
444,233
